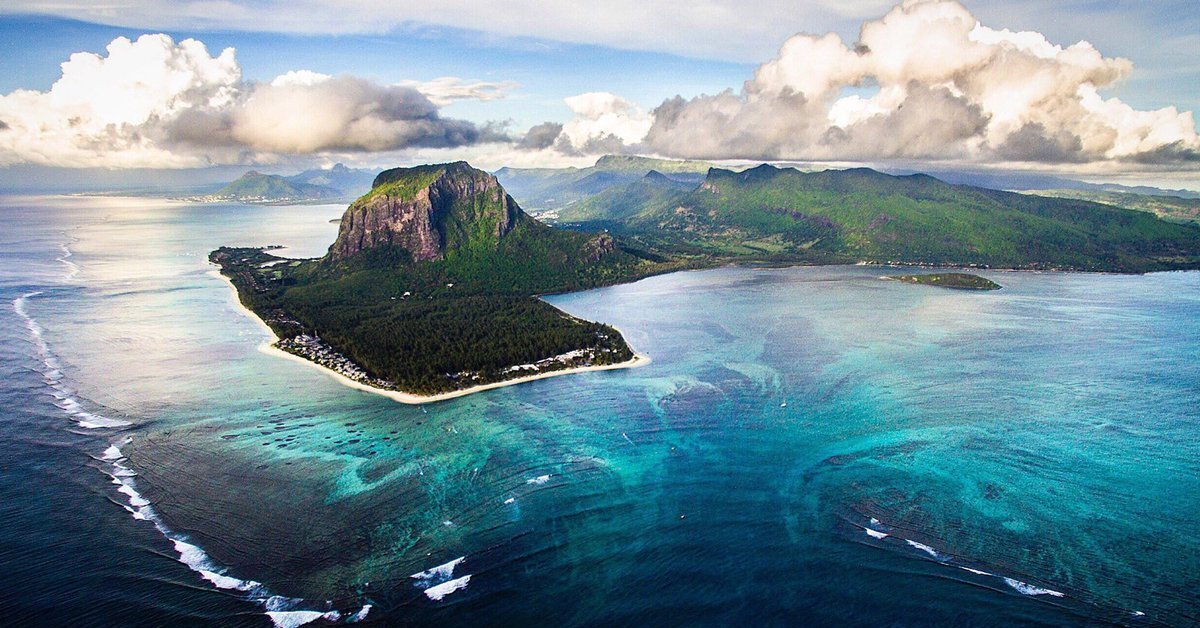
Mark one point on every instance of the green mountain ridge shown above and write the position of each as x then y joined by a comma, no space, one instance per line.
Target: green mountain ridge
1167,207
862,215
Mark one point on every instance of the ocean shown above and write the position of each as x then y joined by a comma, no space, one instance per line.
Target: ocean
808,446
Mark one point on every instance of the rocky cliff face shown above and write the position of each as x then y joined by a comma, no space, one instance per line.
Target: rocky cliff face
428,211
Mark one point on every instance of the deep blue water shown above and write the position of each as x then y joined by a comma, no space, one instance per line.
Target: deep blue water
808,446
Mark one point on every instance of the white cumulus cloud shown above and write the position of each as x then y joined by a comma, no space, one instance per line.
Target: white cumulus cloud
932,83
157,103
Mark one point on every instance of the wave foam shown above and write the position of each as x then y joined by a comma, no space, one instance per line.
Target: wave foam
975,571
65,259
441,572
541,479
284,612
875,534
52,374
440,591
294,619
1029,589
925,548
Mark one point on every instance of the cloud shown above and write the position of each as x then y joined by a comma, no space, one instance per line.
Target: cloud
155,103
541,136
601,123
944,87
449,89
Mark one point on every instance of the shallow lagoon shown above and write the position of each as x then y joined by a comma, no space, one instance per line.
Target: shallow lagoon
808,445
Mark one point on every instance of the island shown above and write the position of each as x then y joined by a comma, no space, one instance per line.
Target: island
430,290
956,281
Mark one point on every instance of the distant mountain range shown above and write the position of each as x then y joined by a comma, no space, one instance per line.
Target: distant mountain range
1167,207
575,194
333,184
860,214
543,190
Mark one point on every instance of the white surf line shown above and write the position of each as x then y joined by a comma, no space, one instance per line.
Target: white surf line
284,612
1024,588
53,376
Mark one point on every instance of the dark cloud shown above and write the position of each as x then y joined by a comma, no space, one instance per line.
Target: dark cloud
1033,142
540,136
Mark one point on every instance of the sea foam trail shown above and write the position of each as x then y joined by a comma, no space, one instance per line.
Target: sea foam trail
925,548
65,259
1029,589
52,373
284,612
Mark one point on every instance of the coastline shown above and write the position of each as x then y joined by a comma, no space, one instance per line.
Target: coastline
268,347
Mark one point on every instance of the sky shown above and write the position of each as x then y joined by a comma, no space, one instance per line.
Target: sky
1076,87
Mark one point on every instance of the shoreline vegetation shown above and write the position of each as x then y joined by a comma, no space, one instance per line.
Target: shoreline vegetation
953,281
269,346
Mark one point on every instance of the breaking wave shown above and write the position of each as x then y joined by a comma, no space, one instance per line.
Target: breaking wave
438,582
284,612
52,374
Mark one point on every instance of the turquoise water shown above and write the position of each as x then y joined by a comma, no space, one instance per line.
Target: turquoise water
808,445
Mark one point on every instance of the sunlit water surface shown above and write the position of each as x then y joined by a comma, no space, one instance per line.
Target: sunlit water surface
809,445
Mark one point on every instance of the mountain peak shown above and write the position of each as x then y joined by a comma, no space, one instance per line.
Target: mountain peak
428,211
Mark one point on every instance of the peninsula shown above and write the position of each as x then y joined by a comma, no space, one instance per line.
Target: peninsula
429,290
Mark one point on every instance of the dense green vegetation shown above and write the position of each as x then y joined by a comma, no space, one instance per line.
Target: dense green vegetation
1172,208
436,326
958,281
862,215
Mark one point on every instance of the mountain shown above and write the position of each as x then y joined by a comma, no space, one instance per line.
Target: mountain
336,183
618,203
429,287
555,188
255,187
863,215
349,181
1036,182
1168,207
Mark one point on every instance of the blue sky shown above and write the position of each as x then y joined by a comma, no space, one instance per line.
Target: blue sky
33,47
636,55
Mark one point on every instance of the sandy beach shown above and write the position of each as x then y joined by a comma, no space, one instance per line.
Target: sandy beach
269,348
